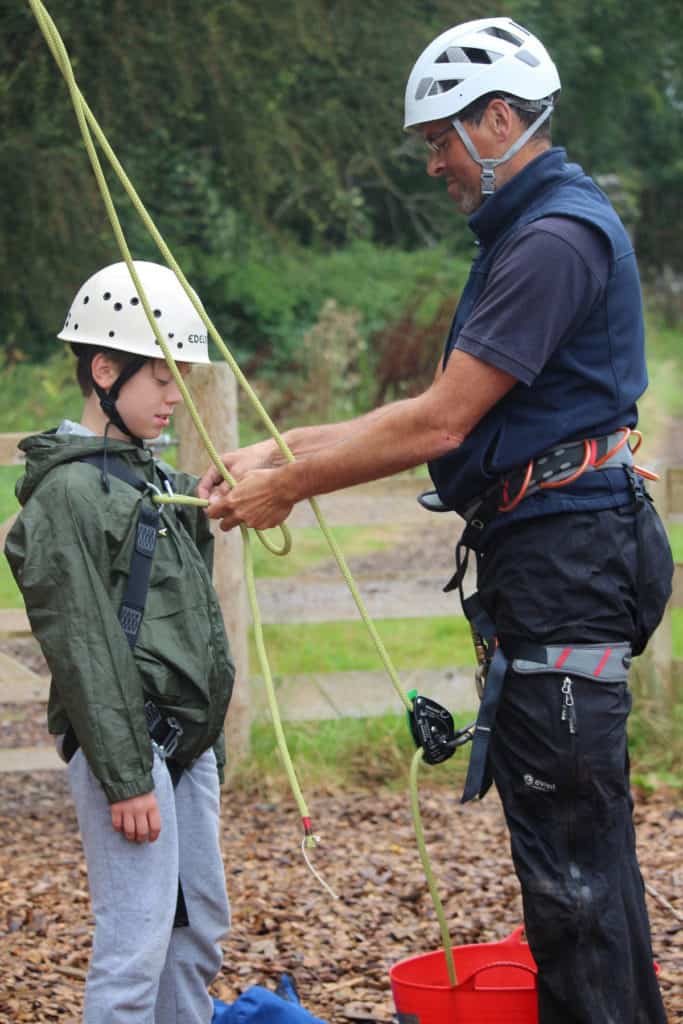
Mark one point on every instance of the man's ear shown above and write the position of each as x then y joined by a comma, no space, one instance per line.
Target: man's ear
104,371
500,118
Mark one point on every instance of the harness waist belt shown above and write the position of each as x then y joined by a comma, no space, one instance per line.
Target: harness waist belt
551,468
608,663
599,662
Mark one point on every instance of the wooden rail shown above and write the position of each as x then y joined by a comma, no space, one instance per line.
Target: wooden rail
217,399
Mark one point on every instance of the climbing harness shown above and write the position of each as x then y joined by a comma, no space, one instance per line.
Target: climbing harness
164,730
606,662
146,532
554,468
557,467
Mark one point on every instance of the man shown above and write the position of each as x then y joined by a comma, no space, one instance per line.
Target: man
526,429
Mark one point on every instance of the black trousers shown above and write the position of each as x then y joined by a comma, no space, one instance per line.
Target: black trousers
564,779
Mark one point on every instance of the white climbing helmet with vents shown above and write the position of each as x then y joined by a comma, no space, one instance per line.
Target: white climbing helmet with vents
107,312
475,58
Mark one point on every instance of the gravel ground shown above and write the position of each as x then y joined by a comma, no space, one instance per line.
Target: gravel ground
338,952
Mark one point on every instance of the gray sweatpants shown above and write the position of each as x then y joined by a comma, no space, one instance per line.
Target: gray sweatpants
142,970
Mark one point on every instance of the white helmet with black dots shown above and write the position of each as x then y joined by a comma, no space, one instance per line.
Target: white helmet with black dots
107,312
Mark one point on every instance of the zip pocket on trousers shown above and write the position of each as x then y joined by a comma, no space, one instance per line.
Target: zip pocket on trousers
568,707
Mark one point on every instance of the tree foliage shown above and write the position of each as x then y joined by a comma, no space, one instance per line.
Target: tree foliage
257,127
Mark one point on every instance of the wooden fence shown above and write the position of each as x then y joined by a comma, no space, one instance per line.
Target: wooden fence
214,393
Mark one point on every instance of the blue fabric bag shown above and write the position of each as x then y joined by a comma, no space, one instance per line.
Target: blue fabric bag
260,1006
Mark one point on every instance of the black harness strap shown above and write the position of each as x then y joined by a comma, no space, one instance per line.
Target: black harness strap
479,778
146,531
164,731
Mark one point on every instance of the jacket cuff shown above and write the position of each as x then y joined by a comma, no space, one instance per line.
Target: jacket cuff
126,790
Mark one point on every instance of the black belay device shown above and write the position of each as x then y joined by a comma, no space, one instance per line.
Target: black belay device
433,729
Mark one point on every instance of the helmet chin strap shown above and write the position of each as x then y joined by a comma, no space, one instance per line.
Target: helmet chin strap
108,398
488,166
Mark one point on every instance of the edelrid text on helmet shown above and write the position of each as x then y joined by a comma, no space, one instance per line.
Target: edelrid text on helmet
107,312
473,59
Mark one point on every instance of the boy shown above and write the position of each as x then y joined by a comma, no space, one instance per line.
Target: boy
141,669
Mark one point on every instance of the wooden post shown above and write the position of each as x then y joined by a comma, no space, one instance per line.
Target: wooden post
214,392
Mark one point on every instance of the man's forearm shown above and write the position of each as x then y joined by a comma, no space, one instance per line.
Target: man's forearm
306,441
404,434
384,442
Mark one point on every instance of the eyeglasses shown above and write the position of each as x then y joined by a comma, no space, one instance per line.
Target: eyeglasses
434,144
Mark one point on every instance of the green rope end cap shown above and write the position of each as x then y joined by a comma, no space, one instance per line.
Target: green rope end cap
411,695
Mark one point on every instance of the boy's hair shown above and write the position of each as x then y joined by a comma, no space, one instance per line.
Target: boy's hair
84,356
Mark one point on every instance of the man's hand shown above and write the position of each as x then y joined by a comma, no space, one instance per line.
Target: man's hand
238,464
138,818
256,501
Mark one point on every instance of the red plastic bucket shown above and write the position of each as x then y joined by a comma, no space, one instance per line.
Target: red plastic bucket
496,982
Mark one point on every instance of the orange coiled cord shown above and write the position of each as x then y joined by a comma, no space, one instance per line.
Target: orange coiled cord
626,432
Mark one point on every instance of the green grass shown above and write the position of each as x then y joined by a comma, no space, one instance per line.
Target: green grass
347,646
344,753
41,395
310,549
8,503
10,596
663,398
677,632
675,531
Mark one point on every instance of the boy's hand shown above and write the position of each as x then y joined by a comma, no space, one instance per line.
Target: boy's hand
138,818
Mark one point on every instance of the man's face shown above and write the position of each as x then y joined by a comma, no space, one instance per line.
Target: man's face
453,162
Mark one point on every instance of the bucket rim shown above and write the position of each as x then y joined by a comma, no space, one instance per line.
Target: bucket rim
500,951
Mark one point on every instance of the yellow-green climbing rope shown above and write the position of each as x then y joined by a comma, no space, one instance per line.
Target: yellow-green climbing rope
89,126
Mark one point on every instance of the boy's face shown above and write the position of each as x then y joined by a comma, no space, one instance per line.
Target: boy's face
147,400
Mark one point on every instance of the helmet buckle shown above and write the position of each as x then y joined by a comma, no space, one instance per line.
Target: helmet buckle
488,178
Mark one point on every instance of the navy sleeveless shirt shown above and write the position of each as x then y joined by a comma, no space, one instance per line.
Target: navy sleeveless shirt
589,385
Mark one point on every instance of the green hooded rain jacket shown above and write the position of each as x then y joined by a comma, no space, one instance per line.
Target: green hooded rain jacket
70,551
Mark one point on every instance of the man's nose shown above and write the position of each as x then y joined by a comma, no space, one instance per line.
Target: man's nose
436,164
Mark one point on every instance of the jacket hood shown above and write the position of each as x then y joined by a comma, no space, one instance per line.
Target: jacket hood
45,451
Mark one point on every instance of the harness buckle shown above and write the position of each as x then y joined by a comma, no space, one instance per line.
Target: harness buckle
165,732
483,656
